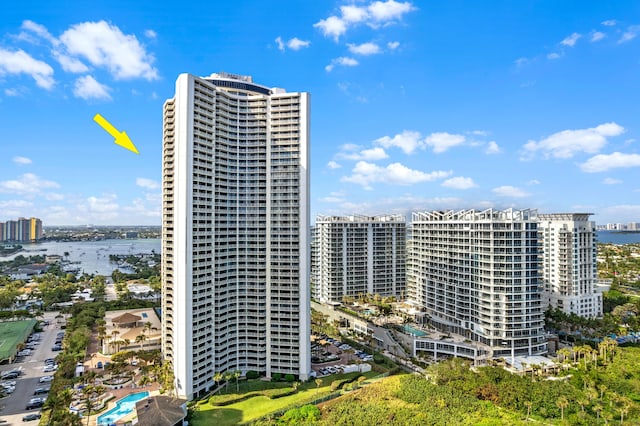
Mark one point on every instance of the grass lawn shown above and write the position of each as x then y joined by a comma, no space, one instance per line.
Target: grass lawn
256,407
12,333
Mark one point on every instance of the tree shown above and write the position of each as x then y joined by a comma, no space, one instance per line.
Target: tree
236,376
318,384
217,377
361,380
562,403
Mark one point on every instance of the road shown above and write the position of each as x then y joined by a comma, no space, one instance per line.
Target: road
13,406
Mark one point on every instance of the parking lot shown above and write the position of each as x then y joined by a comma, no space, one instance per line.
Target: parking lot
30,367
328,347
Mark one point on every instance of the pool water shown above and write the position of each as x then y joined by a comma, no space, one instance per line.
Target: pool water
414,331
124,406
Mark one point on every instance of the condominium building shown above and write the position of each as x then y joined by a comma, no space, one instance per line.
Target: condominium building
475,274
235,242
356,255
22,230
569,264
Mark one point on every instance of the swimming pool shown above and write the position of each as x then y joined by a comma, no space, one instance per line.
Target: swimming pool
123,407
414,331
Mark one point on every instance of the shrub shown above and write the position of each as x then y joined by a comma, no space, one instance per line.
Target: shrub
289,377
278,393
378,359
275,377
252,375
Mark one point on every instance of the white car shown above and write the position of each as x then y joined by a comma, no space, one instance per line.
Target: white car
45,379
50,368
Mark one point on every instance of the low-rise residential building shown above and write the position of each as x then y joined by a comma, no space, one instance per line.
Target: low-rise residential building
131,330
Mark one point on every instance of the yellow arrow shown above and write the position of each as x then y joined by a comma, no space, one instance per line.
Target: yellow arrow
122,138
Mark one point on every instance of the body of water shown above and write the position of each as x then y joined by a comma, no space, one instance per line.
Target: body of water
91,257
615,237
124,407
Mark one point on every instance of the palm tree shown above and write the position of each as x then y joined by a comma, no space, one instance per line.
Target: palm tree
361,380
236,376
318,384
598,409
562,403
140,338
217,377
528,404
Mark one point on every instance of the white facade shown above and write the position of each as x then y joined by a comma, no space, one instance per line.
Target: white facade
475,274
569,263
235,247
356,255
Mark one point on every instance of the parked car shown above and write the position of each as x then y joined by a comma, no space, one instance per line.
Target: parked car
30,417
49,368
45,379
34,405
40,391
10,375
56,348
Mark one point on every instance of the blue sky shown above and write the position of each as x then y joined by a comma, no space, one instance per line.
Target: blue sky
416,105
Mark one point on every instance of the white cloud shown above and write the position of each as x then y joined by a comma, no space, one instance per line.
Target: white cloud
407,141
366,174
604,162
493,148
567,143
353,14
371,154
609,23
630,34
597,36
571,40
459,182
332,27
297,44
334,197
39,30
280,43
377,14
611,181
22,160
554,55
16,208
148,183
533,182
53,196
150,34
99,209
104,45
393,45
510,191
520,62
70,64
389,10
364,49
442,141
20,62
27,184
87,87
343,61
142,208
11,92
333,165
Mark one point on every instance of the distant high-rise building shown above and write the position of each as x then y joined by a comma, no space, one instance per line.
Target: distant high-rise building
475,274
235,230
358,255
569,264
22,230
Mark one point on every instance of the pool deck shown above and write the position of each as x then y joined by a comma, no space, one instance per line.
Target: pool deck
119,394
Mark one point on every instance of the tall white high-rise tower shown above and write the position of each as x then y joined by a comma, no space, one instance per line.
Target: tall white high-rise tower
569,263
235,244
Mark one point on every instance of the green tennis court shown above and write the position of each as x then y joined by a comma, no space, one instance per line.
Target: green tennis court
12,333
